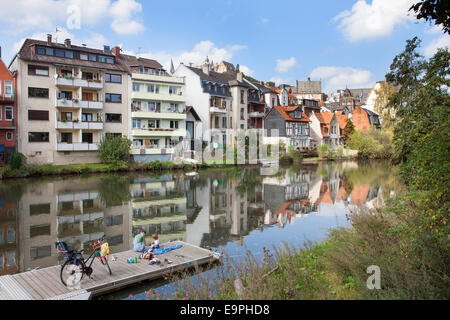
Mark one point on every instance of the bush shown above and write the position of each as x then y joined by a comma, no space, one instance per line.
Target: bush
371,144
114,150
17,160
323,150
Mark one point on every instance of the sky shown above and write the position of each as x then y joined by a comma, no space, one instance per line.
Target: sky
345,43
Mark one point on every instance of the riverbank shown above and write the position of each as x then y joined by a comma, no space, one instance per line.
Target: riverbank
29,171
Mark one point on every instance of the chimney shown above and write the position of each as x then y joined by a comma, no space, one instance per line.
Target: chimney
190,64
0,52
67,43
205,69
49,39
116,51
240,76
106,49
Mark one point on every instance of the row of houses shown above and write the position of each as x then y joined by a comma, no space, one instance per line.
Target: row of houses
58,100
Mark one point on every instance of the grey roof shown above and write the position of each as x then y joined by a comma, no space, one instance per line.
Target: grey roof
263,89
213,76
361,94
309,86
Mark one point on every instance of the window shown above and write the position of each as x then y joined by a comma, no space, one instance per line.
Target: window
136,87
66,137
153,88
66,116
59,53
172,90
40,230
242,96
65,95
83,56
154,106
224,122
38,115
114,98
9,135
173,107
113,134
216,122
92,57
113,78
113,117
231,122
69,54
40,252
36,209
136,123
8,113
86,137
38,137
37,70
37,92
110,60
242,114
87,117
102,59
174,124
154,124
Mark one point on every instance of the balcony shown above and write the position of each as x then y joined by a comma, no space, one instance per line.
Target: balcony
142,95
69,125
75,103
76,82
216,109
77,147
141,132
143,151
6,98
159,115
256,114
157,78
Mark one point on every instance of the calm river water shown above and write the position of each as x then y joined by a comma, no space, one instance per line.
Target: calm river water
233,210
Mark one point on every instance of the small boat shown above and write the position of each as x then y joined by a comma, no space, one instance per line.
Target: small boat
191,174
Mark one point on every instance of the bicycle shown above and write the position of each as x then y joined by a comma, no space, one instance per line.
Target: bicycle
74,268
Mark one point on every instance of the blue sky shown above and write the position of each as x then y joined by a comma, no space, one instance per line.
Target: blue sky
345,43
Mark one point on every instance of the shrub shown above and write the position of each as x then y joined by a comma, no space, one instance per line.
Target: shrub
114,150
371,144
17,160
323,150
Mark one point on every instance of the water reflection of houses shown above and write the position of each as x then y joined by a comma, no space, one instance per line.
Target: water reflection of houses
288,196
70,211
159,206
9,235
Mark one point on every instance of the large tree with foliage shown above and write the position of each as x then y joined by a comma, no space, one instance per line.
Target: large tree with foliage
421,132
434,10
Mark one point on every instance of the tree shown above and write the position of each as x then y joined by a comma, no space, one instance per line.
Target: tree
348,130
434,10
383,94
114,149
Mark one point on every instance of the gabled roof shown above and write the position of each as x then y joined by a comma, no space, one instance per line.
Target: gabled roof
284,112
342,119
133,61
324,117
194,113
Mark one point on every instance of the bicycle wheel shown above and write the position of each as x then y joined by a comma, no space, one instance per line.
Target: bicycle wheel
72,273
105,263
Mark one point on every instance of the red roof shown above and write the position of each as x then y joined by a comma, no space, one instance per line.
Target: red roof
284,113
342,119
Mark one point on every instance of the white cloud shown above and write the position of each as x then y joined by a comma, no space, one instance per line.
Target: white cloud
280,80
23,15
341,77
246,70
123,12
264,20
284,65
441,42
369,21
197,55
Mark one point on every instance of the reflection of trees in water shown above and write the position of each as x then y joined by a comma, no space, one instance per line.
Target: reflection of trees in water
114,190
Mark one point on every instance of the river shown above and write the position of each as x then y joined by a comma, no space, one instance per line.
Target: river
231,210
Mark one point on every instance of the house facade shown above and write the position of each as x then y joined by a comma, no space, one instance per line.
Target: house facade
158,113
68,98
293,126
311,90
8,113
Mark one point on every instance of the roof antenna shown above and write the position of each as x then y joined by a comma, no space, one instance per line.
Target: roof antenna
139,52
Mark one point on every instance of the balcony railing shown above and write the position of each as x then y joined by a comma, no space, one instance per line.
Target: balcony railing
75,103
77,82
85,125
77,146
7,98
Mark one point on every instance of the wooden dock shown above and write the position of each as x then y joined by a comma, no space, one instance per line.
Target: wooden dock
45,284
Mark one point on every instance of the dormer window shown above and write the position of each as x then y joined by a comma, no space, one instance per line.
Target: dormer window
298,114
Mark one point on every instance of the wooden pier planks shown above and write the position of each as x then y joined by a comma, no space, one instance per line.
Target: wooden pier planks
46,284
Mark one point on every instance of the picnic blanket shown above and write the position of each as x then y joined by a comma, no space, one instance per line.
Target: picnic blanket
164,250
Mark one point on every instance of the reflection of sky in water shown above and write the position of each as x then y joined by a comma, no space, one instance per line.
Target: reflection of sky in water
308,228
